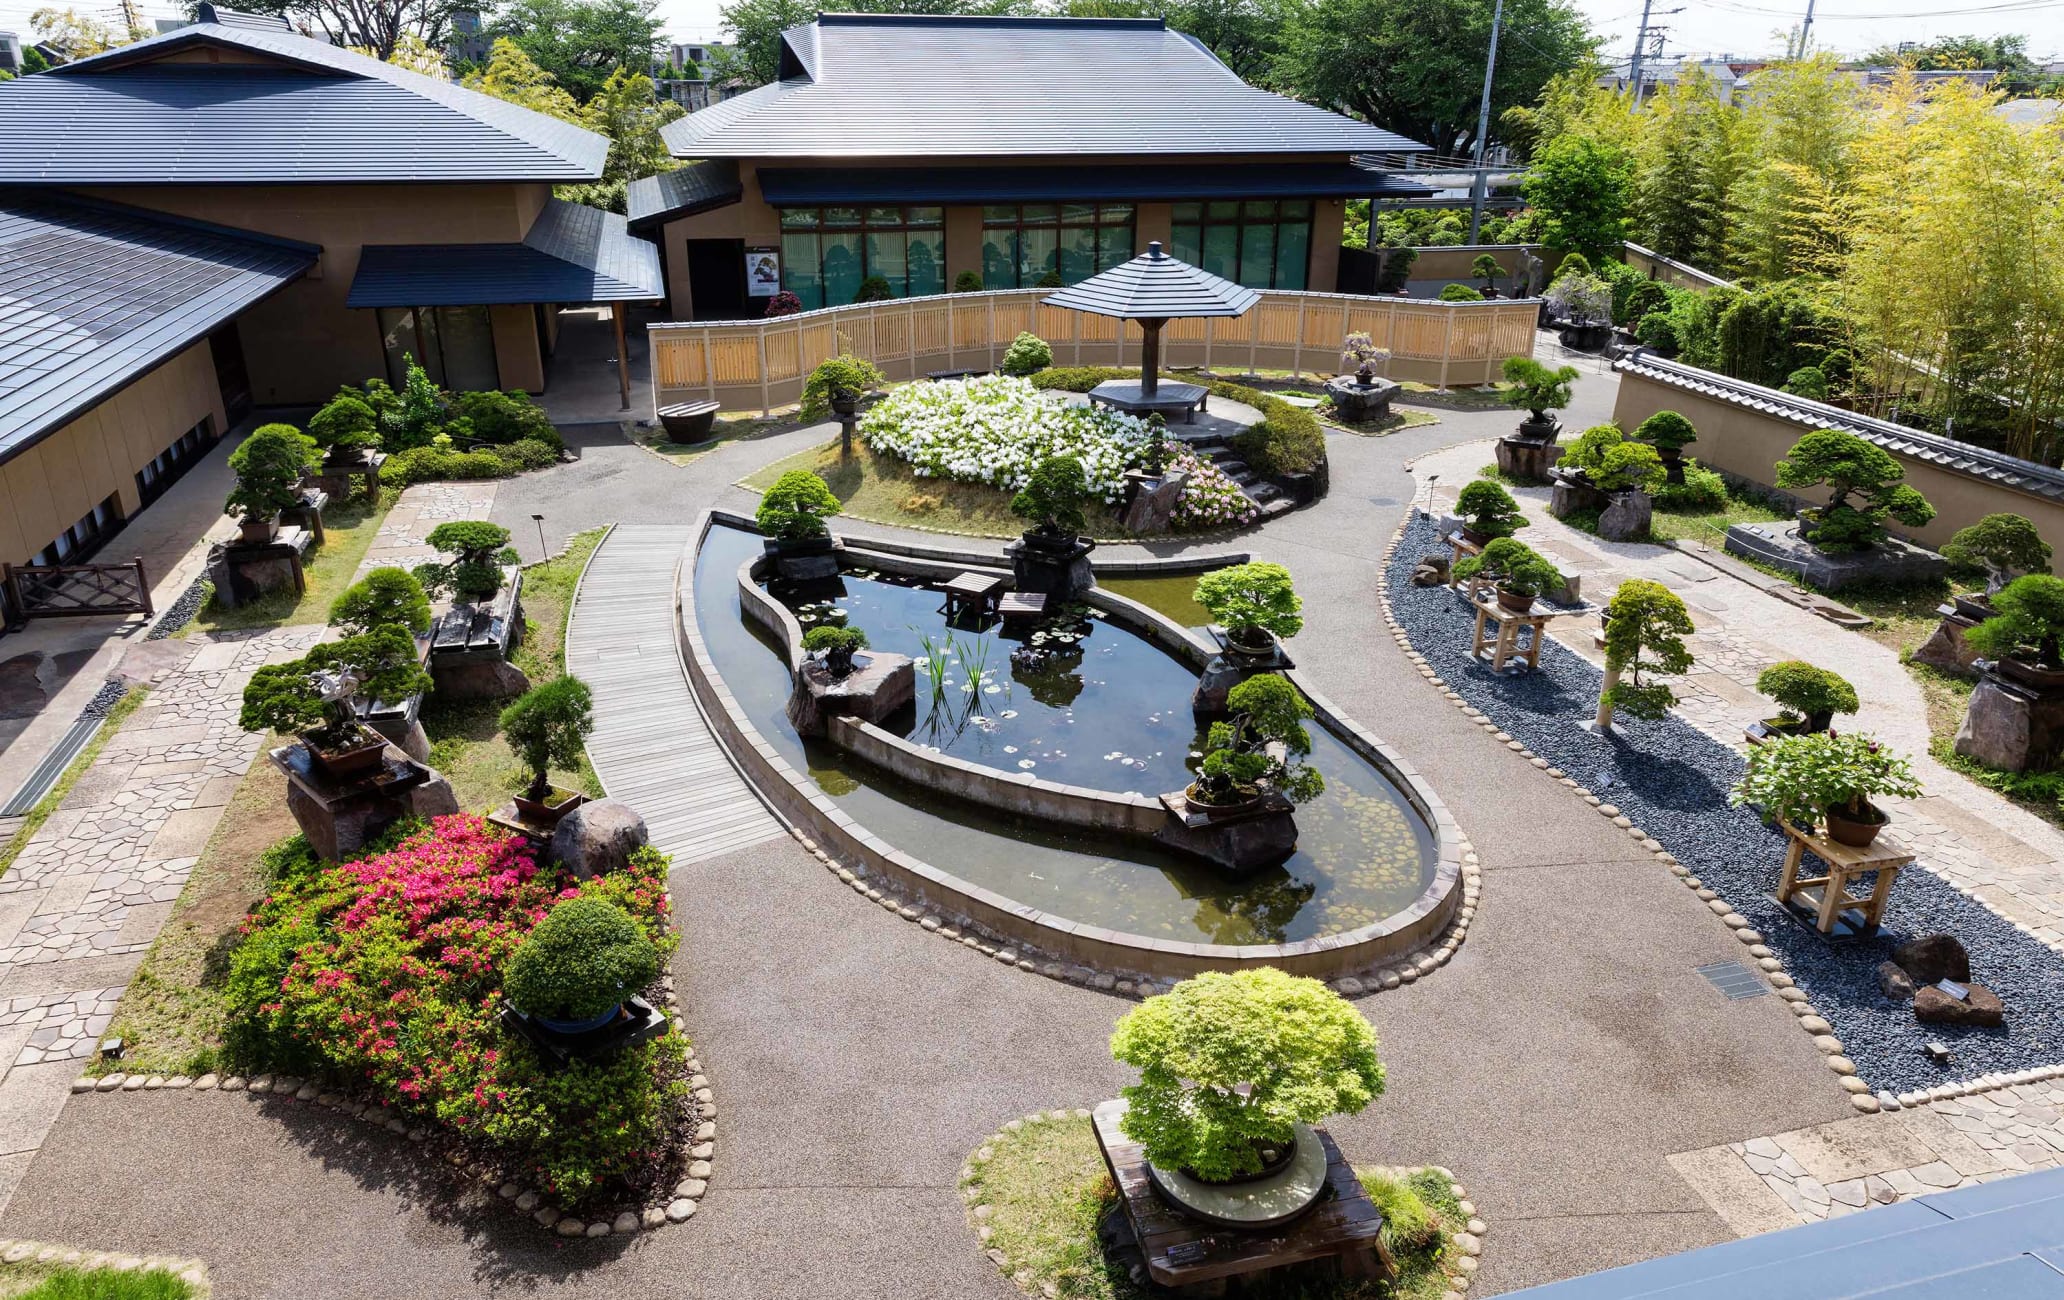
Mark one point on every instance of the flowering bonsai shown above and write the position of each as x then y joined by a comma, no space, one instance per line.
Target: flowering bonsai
1825,776
1255,603
548,726
1261,747
1810,697
837,384
1053,497
1540,392
2028,626
1488,511
1644,633
1359,352
784,303
1231,1064
1518,569
795,508
837,645
385,597
268,467
2006,546
576,968
475,570
1864,490
316,696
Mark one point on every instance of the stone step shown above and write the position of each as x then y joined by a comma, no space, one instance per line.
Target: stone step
1281,505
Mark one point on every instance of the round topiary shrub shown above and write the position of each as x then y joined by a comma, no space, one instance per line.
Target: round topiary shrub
1459,293
580,963
1054,496
795,508
1666,431
1488,511
1230,1064
1810,696
347,424
1028,354
967,282
875,288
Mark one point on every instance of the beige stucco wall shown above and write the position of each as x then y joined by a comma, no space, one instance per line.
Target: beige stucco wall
48,487
1748,444
302,343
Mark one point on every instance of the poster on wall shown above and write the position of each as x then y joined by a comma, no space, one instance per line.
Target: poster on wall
762,272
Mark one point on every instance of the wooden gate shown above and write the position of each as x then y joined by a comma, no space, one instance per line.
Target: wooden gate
75,590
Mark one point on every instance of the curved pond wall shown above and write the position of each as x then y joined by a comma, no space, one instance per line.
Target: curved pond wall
798,796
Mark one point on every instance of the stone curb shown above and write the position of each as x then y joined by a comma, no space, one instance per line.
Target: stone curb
528,1202
193,1272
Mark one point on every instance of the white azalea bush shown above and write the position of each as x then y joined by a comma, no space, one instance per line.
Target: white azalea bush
997,428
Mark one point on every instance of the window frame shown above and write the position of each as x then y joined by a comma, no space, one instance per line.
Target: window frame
1102,219
790,221
1239,224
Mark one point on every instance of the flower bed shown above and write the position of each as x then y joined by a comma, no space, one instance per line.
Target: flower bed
387,972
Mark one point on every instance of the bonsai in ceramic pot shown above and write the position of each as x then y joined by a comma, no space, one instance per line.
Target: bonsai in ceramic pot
548,726
1825,777
1256,603
346,428
837,645
573,972
1359,354
1669,433
1864,490
1234,1068
2022,637
1520,572
1488,512
1809,697
316,696
478,550
793,511
1486,268
1540,392
2006,546
269,466
1261,748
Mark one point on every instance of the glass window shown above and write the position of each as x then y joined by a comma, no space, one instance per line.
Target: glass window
1000,258
843,268
927,262
806,218
1257,255
802,269
885,216
454,345
1262,244
842,216
1006,215
1189,212
1222,251
926,216
1022,246
1293,253
826,254
887,256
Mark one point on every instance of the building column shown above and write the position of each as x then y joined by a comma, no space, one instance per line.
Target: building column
623,354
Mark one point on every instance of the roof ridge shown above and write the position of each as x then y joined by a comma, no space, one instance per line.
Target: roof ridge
986,20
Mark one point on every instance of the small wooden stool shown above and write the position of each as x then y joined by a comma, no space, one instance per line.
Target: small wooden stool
1464,548
1019,606
976,591
1826,898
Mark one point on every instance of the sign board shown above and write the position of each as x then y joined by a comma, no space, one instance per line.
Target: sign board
762,272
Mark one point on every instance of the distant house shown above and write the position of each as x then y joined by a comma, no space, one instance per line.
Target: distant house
1020,149
1725,74
10,54
232,214
469,41
688,80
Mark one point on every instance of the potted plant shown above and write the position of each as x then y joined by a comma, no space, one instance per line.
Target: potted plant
1359,353
1585,302
1053,498
477,548
1540,392
573,972
1255,603
268,466
1259,749
837,645
548,725
1810,697
1825,777
1864,490
2023,633
1669,433
316,697
1488,511
793,511
1235,1067
1027,355
836,386
1520,572
2006,546
784,303
385,597
1486,268
346,428
1645,627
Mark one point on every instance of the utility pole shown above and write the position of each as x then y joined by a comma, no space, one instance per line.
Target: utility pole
1479,190
1805,31
131,18
1640,42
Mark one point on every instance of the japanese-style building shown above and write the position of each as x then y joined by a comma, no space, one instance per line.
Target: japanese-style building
1029,151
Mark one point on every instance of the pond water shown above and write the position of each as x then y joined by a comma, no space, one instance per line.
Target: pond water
1171,597
1088,704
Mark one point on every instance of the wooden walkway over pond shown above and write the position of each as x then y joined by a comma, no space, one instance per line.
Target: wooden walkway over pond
650,746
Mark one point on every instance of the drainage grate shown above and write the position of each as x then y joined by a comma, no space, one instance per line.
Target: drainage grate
53,765
1735,980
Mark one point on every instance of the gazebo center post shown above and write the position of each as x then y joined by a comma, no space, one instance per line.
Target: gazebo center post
1150,357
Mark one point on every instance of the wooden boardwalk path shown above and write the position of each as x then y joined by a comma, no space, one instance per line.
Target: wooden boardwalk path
650,746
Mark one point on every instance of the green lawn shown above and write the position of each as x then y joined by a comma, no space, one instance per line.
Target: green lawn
48,804
1710,526
725,429
46,1282
348,532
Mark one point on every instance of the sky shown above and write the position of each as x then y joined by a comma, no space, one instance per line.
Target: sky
1746,28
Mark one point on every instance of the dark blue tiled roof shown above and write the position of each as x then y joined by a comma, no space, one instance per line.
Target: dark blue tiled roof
684,191
93,295
800,187
573,254
891,85
311,113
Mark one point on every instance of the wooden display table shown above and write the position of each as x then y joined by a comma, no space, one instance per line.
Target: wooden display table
1019,606
1504,642
972,591
1826,900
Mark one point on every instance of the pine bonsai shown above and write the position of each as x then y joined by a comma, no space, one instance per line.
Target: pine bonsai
837,645
1459,293
385,597
1488,511
1230,1064
1644,633
1028,354
346,425
1666,431
268,467
477,549
1486,268
1514,566
2029,624
795,508
1053,497
548,725
1610,463
289,697
834,377
1538,390
1262,746
2006,546
1850,467
1252,602
581,962
1809,696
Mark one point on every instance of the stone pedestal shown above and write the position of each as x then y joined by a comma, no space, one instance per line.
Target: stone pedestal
1573,494
1781,546
1152,509
340,475
879,684
1228,669
598,838
245,572
807,559
1241,841
1626,517
340,818
471,644
2011,726
1527,460
1946,648
1357,403
1060,568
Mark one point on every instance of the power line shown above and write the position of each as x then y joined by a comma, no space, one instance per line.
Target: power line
2013,6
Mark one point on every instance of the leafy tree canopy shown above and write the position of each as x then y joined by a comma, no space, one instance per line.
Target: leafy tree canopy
581,43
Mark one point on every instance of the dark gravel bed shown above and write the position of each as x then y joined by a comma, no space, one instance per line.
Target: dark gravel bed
1672,780
180,612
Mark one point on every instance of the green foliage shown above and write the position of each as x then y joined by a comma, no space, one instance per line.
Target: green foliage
1266,711
1049,279
1513,565
501,419
837,645
1459,293
1229,1061
796,507
1666,431
1798,779
108,1283
1809,382
1849,466
1587,453
1701,490
2004,545
1249,598
967,282
1572,263
548,726
1621,280
583,959
279,697
1407,1222
1629,467
1774,330
416,415
345,424
286,698
1488,510
1807,693
1644,634
833,375
1537,389
875,288
474,571
1583,188
268,466
583,45
1645,297
385,597
1584,299
1485,267
1286,440
1077,379
433,464
2030,618
1053,496
1028,354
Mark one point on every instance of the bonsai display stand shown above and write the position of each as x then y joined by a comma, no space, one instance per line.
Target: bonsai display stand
511,817
1061,569
334,478
308,512
1463,548
341,817
1946,648
1358,403
244,572
1341,1237
2016,726
1527,459
1825,901
471,644
1504,642
640,1022
1781,546
1019,607
1238,840
1169,398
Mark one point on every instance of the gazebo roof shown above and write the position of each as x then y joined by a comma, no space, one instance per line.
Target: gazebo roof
1155,286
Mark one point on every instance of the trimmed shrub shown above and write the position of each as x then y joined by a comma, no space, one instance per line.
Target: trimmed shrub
529,453
1460,293
2004,545
1078,379
386,597
967,282
502,418
796,507
784,303
1701,490
1054,496
268,466
1643,299
346,424
1666,431
1488,510
1028,354
1809,382
1255,595
584,958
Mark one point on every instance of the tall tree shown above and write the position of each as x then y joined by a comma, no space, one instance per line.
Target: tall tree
1688,158
510,74
630,112
1416,66
581,42
1800,123
76,35
1246,35
375,26
1582,188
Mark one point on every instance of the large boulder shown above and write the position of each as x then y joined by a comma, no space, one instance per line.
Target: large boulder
1933,957
1152,511
598,838
1626,517
879,684
1979,1007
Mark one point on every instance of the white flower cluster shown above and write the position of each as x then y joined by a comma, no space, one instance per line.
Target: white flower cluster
996,429
1209,499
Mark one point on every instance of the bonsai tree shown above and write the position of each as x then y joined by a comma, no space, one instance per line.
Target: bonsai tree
1809,382
1864,489
291,697
1801,779
1514,566
837,645
580,963
795,508
346,425
1538,391
1608,462
268,467
1809,696
1486,268
548,725
1028,354
1668,432
1459,293
386,597
474,571
1488,511
1262,745
2006,546
414,416
1253,602
875,288
1644,634
1583,299
1157,444
1053,497
2029,623
967,282
1230,1064
1359,353
837,378
1571,264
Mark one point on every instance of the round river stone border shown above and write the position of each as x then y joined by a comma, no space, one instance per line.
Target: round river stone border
193,1272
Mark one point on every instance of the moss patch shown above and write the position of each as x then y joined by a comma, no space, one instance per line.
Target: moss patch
47,1282
1399,418
885,490
1710,526
49,803
348,532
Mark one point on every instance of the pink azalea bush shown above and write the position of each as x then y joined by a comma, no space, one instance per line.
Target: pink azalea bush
1210,499
387,971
